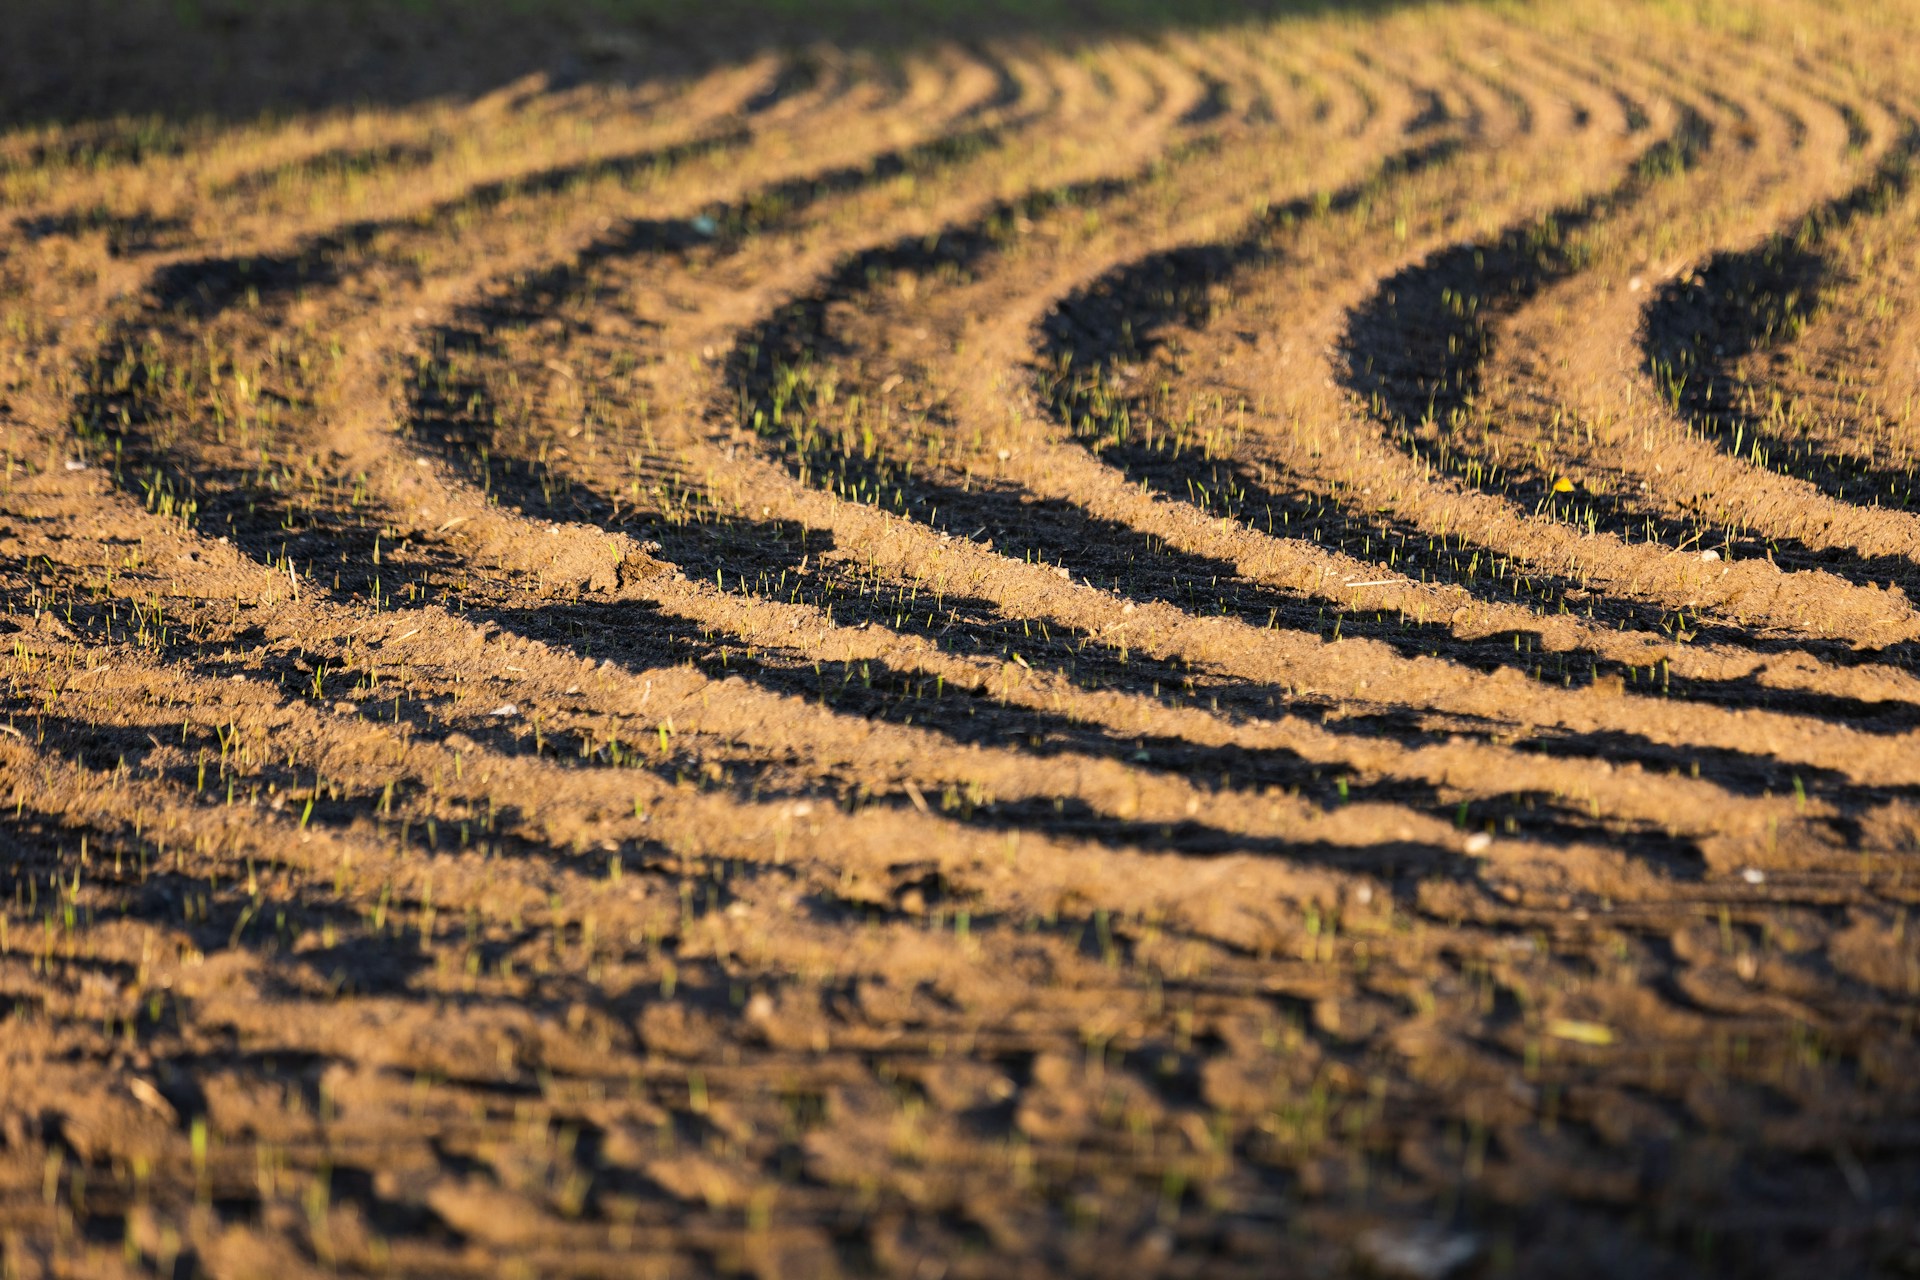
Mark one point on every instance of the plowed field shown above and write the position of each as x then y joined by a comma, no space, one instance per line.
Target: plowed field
1280,645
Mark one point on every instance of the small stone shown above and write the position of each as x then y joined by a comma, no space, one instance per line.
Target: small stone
1479,842
1420,1252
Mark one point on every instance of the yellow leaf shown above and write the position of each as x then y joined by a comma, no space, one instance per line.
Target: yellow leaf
1579,1032
1563,485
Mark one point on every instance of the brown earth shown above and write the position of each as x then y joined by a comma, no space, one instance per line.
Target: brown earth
1280,646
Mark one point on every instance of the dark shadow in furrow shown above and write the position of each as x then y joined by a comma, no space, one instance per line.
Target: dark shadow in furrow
627,617
1104,324
127,234
771,558
639,637
1007,89
1433,113
327,542
1418,348
1700,327
797,75
1213,105
39,851
117,413
751,555
720,229
100,143
871,689
201,289
1132,312
1417,351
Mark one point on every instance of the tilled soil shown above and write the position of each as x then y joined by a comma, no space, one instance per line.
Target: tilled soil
1281,648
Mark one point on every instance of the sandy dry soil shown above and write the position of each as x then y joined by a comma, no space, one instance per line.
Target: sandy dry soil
1280,648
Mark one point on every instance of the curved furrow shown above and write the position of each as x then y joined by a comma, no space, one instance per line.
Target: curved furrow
74,299
140,701
1430,321
568,358
466,779
1234,80
1748,346
291,403
303,180
871,666
1591,446
1105,341
1843,422
523,797
1424,337
793,749
866,661
376,553
111,400
1681,725
863,271
1876,389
